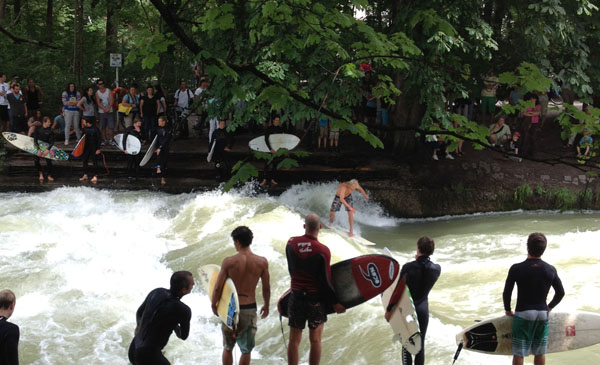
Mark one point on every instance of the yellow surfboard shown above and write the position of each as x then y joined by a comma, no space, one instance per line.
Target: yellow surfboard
229,304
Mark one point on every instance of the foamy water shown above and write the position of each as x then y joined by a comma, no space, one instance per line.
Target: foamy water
81,261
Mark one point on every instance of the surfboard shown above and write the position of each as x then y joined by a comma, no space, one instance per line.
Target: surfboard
277,141
211,153
149,152
78,150
404,321
344,233
229,304
567,331
356,280
25,143
133,144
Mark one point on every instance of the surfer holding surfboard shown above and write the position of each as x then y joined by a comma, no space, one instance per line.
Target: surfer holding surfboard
162,151
533,277
44,133
274,128
91,149
312,289
343,195
245,269
420,276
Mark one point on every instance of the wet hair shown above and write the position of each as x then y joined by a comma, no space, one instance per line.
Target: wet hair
7,298
536,244
353,183
275,117
180,280
46,119
312,222
163,118
137,119
243,235
426,245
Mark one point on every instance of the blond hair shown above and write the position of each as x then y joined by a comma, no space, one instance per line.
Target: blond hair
353,183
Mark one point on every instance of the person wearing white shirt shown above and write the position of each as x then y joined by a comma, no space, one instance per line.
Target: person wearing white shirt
4,90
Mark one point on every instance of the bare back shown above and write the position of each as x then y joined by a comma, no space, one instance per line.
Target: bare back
245,269
344,189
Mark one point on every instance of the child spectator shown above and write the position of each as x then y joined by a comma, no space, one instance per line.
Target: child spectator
43,133
514,144
585,142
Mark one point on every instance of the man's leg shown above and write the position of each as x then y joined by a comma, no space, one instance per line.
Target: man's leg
245,359
314,336
351,222
294,343
517,360
227,357
539,360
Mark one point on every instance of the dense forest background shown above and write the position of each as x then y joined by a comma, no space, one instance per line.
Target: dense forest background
303,56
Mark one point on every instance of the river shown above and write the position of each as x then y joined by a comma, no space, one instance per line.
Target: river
82,260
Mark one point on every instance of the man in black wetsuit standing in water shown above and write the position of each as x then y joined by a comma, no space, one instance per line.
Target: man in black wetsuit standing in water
274,128
420,276
533,277
161,313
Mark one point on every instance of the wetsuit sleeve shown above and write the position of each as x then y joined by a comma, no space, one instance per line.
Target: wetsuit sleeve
51,139
508,288
140,312
229,140
183,329
125,135
35,138
212,139
96,139
559,292
267,135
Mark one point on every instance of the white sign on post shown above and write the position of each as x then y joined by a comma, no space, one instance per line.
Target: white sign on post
116,60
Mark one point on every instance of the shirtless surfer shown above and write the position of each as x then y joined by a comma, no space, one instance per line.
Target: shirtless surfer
244,268
343,195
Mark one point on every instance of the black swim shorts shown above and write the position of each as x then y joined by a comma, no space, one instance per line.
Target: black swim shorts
304,307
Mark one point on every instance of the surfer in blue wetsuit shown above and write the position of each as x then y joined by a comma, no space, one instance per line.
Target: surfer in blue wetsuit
133,163
274,128
44,133
161,313
223,142
91,149
533,277
162,150
9,332
420,276
312,289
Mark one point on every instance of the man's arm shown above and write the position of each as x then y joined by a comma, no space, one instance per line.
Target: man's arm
508,289
12,346
138,316
183,328
266,290
218,289
559,292
362,191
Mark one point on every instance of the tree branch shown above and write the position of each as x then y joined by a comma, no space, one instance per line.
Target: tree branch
17,40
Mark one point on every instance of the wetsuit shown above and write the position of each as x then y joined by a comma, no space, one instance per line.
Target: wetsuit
272,174
159,315
534,277
221,138
420,276
164,143
133,163
92,144
9,342
45,135
312,289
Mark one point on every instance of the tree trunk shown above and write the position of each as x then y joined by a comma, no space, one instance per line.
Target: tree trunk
2,8
112,44
78,41
405,113
49,20
17,8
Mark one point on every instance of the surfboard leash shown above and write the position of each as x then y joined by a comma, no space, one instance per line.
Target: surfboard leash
460,346
282,333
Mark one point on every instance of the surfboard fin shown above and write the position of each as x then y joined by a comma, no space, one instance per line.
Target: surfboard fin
460,346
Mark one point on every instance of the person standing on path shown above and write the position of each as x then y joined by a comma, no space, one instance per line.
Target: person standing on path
245,269
533,277
105,102
312,289
420,276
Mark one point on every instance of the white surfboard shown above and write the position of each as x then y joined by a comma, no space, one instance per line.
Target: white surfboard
404,321
149,152
229,304
25,143
211,153
344,233
277,141
567,331
133,144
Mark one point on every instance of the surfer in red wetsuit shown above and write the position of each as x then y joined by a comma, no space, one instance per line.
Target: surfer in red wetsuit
420,276
312,289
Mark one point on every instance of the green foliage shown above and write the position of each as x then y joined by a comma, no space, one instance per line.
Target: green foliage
564,199
522,192
243,171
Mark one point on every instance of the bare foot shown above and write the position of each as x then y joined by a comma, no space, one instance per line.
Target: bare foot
350,234
83,178
163,181
273,182
50,178
94,180
41,179
264,182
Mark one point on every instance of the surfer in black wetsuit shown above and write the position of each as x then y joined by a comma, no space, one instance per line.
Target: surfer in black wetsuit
533,277
312,289
9,332
274,128
223,142
160,314
44,133
420,276
162,150
91,149
133,162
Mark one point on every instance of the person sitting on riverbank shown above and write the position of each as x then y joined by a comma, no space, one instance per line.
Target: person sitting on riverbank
514,144
499,133
43,133
585,142
161,313
343,195
437,144
9,332
245,269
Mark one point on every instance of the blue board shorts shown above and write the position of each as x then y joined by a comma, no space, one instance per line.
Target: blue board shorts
245,332
530,333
